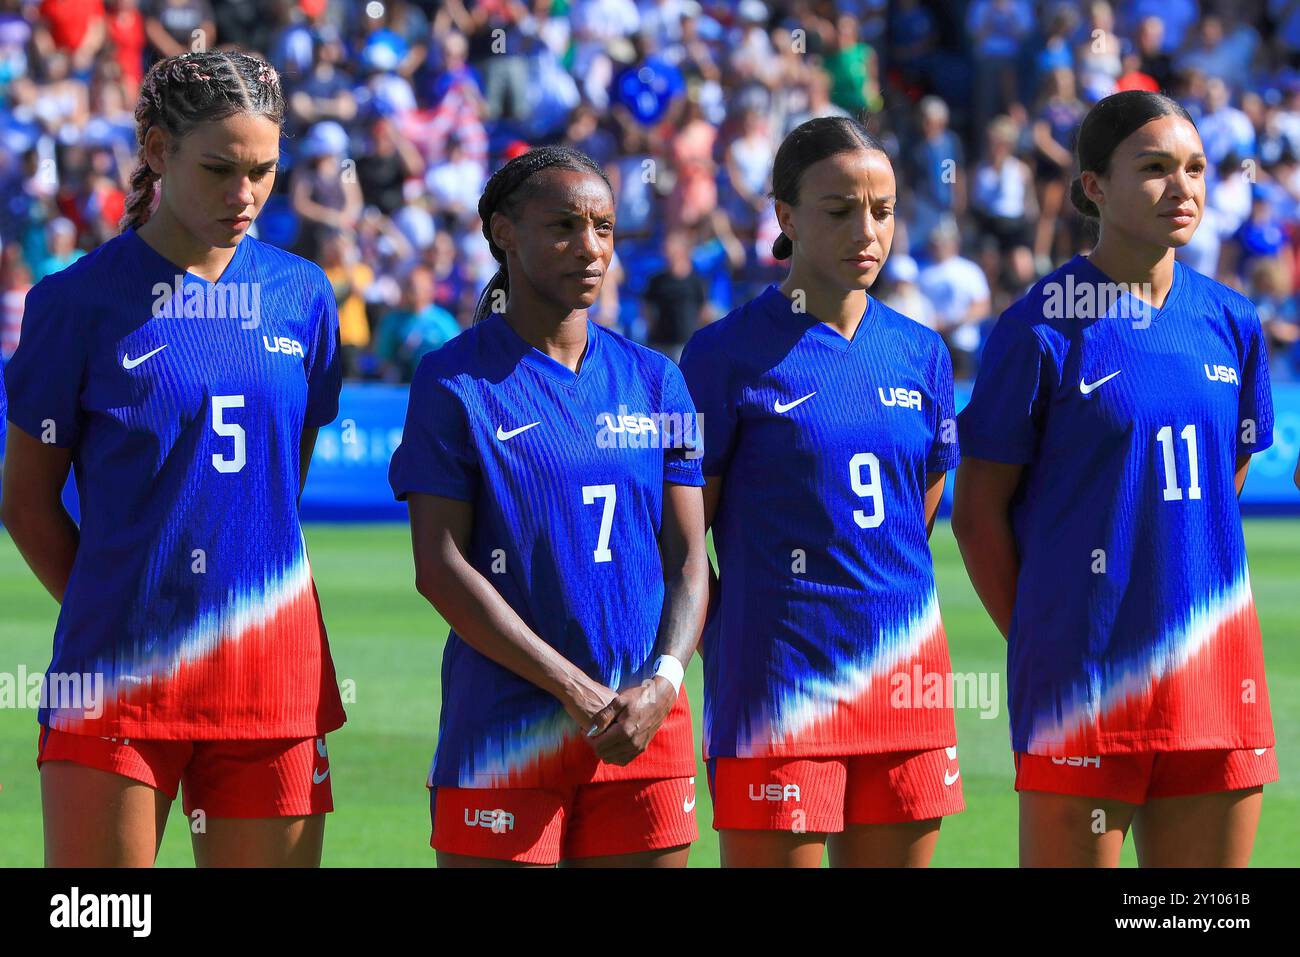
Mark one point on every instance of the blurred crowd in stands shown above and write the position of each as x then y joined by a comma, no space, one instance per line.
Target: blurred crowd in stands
399,110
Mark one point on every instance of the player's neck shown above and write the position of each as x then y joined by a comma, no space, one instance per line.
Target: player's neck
1138,265
562,337
169,239
842,313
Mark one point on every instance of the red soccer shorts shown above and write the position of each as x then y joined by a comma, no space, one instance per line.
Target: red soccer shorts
546,826
1137,778
822,795
270,778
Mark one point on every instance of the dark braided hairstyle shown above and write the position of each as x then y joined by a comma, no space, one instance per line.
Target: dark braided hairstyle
509,189
181,92
806,144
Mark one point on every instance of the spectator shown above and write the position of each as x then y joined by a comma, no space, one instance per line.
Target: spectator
455,184
997,30
1002,197
1224,129
695,193
1056,122
854,70
126,37
61,241
323,197
75,29
414,329
175,26
959,292
676,299
1270,291
749,169
903,295
351,279
936,170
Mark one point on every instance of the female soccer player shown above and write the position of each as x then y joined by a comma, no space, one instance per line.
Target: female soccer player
558,527
182,369
1107,439
828,427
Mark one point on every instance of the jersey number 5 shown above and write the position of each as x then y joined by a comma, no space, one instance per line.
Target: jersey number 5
229,429
610,494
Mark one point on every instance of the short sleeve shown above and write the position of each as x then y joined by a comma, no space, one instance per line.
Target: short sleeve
325,369
436,455
945,451
707,377
44,376
1255,404
1003,419
683,444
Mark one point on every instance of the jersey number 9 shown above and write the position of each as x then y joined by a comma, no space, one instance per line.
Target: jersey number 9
868,489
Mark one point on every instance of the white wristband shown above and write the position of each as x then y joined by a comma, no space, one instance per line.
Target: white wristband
666,666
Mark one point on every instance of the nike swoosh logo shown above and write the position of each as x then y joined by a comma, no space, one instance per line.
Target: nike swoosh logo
783,407
503,435
317,777
129,363
1259,751
1088,388
689,806
949,777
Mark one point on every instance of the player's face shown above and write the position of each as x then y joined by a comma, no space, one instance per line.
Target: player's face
564,238
1154,190
220,176
844,223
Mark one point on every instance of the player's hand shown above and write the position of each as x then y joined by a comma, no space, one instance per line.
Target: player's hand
588,705
636,715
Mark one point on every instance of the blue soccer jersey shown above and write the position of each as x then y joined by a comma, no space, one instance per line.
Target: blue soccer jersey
566,475
826,638
191,604
1134,628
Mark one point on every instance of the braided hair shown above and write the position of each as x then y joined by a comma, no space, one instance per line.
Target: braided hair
180,92
508,190
806,144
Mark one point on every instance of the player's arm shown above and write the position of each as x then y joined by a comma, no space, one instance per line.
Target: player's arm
306,448
712,493
440,531
981,523
32,508
1243,466
933,496
685,561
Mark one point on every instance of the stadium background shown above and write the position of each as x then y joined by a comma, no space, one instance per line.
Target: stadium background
398,111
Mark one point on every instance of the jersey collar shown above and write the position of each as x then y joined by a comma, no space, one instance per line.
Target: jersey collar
1085,270
781,308
539,361
156,260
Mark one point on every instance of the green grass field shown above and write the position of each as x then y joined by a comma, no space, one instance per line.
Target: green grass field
388,641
